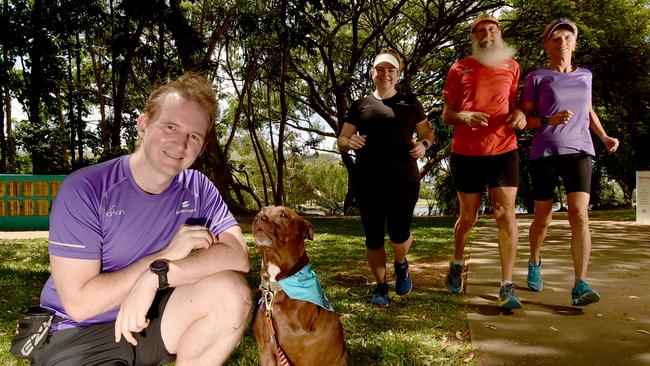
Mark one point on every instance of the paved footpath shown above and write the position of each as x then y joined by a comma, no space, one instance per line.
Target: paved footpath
548,330
23,234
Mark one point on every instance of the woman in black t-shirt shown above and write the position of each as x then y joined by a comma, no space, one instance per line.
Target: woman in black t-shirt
380,128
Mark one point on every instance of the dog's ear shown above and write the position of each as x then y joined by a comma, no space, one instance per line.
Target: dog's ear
309,229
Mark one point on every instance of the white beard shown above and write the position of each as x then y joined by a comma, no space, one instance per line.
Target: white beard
493,56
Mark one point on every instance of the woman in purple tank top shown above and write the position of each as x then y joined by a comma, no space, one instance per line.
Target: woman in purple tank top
557,103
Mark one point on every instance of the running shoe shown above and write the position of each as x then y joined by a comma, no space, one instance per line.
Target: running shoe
508,297
455,277
582,294
534,279
403,282
380,298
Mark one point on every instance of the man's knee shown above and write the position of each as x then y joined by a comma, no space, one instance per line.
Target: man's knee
504,215
578,217
466,221
233,296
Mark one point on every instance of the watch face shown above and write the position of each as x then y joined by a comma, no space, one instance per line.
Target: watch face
159,265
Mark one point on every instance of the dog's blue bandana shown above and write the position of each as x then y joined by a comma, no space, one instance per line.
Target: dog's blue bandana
304,285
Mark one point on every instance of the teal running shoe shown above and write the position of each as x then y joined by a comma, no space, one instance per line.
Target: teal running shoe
403,282
534,278
582,294
455,277
508,297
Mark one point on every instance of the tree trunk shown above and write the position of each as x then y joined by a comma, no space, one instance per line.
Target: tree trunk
81,124
35,85
96,59
3,140
71,119
5,144
125,71
279,193
61,119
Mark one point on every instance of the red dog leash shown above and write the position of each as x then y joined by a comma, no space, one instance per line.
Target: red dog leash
266,306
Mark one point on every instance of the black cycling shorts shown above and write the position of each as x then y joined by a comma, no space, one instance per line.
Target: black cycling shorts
575,170
95,345
472,173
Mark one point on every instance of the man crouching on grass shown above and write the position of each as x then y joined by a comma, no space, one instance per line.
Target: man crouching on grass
147,261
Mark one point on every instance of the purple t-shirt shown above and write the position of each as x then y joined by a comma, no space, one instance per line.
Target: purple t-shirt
100,213
553,91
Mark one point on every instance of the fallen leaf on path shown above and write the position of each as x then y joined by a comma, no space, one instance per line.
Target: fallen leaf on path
643,331
630,318
491,326
633,297
459,335
599,315
469,358
555,329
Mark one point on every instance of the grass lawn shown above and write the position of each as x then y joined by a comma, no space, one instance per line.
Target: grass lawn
427,327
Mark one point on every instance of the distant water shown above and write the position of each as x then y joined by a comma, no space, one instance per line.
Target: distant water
422,210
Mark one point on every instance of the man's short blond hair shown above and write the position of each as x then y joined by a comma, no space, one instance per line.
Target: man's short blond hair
191,86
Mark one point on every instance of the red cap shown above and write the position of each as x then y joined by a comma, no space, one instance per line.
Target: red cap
483,18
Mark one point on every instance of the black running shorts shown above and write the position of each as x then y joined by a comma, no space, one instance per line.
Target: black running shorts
574,169
95,345
472,173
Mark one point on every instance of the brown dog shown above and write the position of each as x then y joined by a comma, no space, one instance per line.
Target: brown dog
290,331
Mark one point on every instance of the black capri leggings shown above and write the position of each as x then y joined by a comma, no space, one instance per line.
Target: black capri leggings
387,205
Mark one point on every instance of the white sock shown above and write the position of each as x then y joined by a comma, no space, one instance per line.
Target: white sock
458,262
503,283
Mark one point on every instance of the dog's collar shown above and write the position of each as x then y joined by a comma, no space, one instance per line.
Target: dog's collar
275,286
300,264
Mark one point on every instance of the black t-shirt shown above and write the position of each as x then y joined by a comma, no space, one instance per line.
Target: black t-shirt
389,126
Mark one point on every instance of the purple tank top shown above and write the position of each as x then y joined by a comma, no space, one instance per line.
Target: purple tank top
552,92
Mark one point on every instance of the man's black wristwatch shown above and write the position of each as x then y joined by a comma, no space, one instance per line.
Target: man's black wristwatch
160,267
425,143
544,121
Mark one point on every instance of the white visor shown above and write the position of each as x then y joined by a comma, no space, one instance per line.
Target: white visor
386,57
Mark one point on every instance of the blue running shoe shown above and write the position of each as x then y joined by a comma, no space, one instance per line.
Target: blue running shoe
403,282
582,294
508,297
380,298
534,279
455,277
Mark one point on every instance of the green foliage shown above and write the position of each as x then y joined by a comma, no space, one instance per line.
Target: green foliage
327,45
446,193
43,144
320,181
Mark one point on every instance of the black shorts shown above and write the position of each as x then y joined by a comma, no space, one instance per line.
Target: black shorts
95,345
472,173
387,205
575,170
